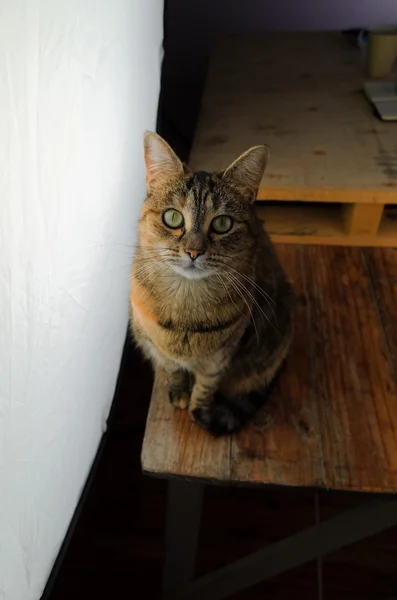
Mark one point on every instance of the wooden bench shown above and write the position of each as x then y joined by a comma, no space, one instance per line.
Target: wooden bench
331,422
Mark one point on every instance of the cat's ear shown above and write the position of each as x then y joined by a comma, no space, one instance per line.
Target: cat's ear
162,164
246,172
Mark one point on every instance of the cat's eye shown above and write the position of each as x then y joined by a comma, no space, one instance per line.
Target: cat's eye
173,218
221,224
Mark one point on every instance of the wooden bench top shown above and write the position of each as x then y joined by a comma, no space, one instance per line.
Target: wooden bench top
332,420
302,95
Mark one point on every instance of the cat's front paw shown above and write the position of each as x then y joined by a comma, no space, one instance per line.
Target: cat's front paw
179,399
217,419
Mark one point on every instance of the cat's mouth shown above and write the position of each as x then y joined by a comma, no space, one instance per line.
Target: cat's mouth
192,270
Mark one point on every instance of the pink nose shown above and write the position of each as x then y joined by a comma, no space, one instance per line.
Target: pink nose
194,253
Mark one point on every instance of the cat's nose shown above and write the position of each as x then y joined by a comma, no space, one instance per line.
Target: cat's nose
194,253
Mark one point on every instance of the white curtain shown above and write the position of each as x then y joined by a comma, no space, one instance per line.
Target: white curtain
79,83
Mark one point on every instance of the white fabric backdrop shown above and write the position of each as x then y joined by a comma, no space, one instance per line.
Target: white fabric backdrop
79,82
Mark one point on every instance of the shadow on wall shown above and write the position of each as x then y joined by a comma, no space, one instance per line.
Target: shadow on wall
192,26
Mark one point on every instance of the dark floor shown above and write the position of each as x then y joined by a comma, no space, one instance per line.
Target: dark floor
116,551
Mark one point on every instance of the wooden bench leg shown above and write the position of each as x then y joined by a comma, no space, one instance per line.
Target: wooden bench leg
184,504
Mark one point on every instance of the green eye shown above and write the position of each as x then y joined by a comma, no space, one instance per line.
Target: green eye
173,219
221,224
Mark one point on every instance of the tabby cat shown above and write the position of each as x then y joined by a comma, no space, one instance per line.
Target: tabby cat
210,304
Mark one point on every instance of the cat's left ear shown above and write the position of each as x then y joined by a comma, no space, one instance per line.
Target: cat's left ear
246,172
162,164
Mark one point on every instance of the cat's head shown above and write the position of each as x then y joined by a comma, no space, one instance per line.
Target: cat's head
195,223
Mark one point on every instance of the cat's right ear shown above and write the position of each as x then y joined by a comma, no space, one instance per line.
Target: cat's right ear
246,172
162,164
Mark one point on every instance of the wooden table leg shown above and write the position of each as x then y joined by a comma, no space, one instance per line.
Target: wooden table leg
342,530
184,504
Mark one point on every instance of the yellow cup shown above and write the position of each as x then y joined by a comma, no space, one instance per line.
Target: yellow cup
382,51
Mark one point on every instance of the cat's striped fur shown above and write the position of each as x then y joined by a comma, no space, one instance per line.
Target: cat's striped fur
213,310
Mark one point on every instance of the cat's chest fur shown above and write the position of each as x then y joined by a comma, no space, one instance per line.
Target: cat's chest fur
181,326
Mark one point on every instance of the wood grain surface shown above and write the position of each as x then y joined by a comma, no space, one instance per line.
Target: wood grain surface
302,95
331,422
352,373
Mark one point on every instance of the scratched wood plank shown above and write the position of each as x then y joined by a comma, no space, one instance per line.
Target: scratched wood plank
300,93
174,446
285,447
352,373
332,419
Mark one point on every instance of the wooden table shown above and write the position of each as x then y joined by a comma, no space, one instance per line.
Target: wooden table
330,424
332,176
